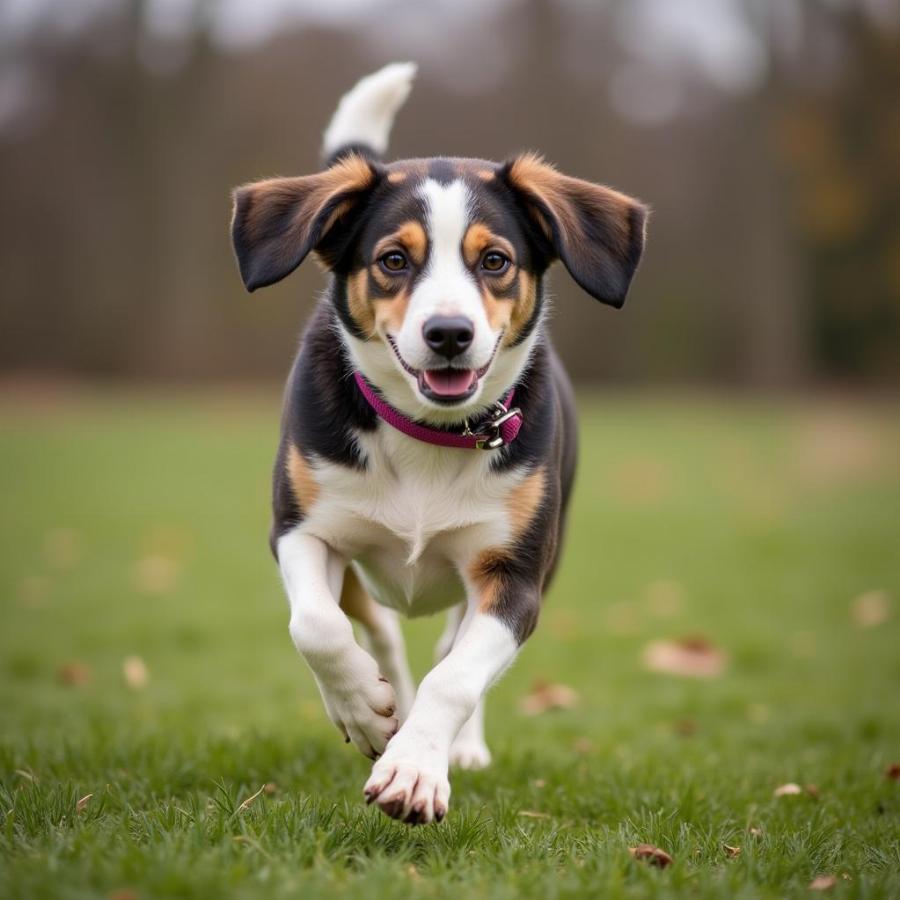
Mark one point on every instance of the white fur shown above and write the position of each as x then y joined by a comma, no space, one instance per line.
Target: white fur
412,773
366,113
446,287
358,701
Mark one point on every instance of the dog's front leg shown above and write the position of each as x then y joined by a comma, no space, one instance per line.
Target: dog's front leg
410,781
359,700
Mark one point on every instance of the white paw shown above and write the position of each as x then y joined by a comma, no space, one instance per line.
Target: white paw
469,753
362,705
415,792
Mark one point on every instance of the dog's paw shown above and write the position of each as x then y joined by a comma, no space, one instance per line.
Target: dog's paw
469,753
409,791
362,705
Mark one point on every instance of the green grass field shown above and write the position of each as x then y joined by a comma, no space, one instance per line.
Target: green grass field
134,525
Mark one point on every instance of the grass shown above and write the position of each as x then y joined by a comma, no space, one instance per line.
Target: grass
134,524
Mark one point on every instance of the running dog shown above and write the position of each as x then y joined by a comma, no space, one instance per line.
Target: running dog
428,436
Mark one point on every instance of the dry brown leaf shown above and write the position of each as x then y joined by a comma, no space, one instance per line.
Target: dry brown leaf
685,727
788,790
545,696
246,804
73,674
156,574
812,790
270,788
692,657
755,832
823,883
83,802
871,608
655,856
893,772
134,669
731,852
532,814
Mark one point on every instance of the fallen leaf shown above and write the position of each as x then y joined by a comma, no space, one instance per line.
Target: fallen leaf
812,790
545,696
823,883
731,852
155,574
692,657
788,790
650,854
532,814
270,788
134,669
685,727
73,673
83,802
870,609
755,832
246,804
893,772
539,783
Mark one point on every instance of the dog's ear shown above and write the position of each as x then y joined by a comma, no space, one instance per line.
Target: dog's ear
597,232
277,222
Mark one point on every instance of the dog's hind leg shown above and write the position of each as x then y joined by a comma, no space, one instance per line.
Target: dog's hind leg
468,750
383,638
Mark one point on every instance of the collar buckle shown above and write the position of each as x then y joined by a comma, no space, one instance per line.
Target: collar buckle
491,434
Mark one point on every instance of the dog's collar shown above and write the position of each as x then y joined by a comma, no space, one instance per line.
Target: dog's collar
497,429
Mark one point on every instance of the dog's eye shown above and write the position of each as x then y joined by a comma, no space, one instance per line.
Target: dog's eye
495,263
394,261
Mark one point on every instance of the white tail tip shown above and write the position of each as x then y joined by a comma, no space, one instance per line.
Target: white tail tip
366,113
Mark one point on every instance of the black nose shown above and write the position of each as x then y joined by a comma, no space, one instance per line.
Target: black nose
448,335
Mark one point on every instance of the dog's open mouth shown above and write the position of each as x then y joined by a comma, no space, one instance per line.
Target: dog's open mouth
448,384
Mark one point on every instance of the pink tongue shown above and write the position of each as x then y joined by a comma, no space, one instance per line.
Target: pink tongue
449,382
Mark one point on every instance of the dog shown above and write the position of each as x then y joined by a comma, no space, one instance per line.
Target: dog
428,437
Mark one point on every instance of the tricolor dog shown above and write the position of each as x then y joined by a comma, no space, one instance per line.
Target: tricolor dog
428,436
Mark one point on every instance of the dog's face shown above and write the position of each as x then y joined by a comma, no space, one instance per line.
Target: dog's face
438,263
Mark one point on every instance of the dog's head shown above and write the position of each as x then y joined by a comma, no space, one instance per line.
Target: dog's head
438,263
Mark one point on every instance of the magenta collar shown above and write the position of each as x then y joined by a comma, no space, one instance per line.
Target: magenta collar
499,428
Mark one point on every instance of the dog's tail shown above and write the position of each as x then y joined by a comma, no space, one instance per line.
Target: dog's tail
362,122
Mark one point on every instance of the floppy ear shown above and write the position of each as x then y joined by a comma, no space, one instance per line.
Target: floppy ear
597,232
277,222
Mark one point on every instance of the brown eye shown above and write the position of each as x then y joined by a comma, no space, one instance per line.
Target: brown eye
495,262
394,261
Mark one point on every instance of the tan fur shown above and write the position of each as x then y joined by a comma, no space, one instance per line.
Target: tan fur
411,237
358,302
303,482
532,175
356,601
391,311
484,572
524,499
522,505
308,193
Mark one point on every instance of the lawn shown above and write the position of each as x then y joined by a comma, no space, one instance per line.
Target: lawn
134,529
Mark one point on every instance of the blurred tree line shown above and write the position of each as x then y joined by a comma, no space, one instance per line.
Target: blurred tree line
774,251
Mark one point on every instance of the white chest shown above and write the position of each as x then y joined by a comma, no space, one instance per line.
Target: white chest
414,518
